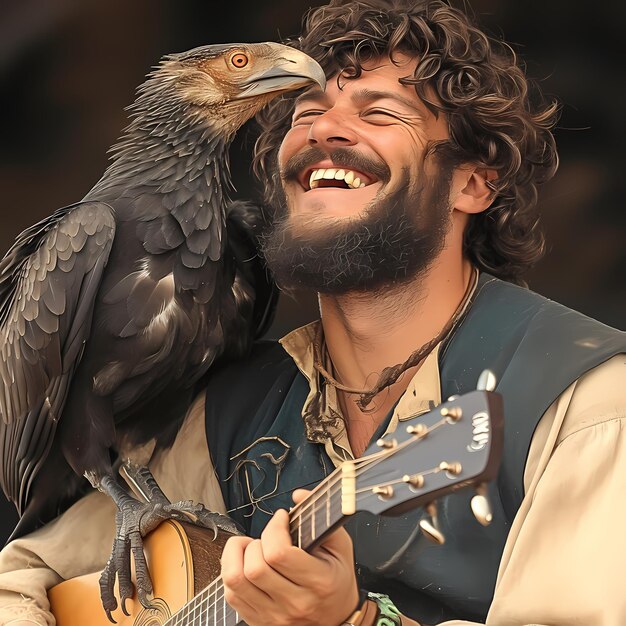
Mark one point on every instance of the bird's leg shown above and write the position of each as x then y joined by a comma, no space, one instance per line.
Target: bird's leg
134,521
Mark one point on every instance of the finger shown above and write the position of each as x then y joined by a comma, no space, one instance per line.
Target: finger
336,545
299,495
246,613
237,588
280,554
263,576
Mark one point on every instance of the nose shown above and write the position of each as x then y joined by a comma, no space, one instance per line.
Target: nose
331,130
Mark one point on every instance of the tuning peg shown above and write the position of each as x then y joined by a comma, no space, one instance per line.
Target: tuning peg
452,469
419,430
481,507
453,413
387,444
416,481
430,525
384,493
486,381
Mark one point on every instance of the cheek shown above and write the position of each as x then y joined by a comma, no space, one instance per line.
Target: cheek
399,145
293,141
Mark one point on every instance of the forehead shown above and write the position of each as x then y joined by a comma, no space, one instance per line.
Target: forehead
381,74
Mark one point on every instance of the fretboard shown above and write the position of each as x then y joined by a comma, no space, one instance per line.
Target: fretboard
309,521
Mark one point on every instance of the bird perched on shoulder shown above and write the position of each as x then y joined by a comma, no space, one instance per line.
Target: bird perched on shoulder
112,308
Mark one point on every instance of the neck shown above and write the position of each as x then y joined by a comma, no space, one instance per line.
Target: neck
167,145
365,333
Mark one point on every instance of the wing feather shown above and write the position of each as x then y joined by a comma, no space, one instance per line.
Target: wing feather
48,286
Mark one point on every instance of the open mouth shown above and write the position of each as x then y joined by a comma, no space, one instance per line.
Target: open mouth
337,178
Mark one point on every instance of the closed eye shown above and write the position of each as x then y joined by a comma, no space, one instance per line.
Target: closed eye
306,114
371,115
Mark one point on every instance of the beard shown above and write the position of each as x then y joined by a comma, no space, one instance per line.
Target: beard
394,240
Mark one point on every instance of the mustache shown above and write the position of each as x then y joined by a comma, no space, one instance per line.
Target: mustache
347,158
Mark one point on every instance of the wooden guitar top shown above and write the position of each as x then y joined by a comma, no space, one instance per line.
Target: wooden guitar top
171,551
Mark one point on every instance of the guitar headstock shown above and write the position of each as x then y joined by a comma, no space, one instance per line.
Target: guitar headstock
455,446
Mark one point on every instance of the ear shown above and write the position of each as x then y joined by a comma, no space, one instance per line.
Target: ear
478,192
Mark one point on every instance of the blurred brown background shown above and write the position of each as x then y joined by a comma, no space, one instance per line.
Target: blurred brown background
69,67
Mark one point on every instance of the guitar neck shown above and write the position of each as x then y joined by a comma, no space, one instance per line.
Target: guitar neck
460,444
309,522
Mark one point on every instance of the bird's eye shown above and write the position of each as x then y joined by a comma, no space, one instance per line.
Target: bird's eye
239,60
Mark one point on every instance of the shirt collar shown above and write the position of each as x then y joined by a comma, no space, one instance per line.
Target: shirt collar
422,394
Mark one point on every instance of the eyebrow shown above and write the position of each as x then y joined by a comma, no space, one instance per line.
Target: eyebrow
360,98
312,95
364,96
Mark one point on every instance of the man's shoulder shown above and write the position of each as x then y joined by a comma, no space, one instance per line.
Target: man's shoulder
525,307
265,359
597,398
237,387
505,318
536,348
526,339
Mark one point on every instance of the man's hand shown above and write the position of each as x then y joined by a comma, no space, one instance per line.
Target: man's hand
270,581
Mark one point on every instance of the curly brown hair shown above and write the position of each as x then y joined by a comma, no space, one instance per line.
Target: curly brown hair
479,85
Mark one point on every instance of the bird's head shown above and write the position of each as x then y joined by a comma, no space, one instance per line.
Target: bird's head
229,83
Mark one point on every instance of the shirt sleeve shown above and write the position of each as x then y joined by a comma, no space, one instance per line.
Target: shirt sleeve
564,558
79,541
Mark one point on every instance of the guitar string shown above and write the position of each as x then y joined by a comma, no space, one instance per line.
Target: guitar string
367,463
373,459
329,491
300,516
210,601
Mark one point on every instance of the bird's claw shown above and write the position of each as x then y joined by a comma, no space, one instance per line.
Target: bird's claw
198,514
133,522
128,539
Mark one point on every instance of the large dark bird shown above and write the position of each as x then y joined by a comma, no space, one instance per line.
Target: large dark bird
112,308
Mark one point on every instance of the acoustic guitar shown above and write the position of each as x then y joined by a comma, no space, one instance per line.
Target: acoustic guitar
453,447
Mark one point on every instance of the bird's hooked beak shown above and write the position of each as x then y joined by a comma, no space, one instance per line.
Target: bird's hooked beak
287,69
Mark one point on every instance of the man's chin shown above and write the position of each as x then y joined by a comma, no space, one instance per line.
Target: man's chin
385,241
334,203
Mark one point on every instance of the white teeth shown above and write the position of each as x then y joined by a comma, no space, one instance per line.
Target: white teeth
331,173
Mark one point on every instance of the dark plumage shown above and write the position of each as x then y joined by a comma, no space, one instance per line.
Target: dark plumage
112,308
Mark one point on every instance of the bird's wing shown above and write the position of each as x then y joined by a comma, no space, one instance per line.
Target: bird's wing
245,223
48,284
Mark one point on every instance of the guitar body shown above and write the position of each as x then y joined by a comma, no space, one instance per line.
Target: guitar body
182,559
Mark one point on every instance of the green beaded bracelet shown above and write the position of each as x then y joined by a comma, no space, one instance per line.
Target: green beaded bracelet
388,613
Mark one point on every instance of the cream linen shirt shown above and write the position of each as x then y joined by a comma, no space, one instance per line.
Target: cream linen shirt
563,558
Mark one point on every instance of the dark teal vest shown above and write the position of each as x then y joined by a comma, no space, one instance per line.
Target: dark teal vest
536,348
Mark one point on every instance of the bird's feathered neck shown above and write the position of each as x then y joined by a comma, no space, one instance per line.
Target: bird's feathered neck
168,142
